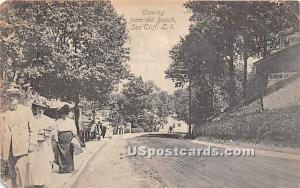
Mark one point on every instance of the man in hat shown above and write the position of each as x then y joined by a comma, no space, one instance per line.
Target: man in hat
15,139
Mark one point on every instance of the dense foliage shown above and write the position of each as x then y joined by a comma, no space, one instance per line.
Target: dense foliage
222,35
67,50
141,104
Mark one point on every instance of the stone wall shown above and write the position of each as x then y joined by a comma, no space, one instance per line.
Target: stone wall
284,97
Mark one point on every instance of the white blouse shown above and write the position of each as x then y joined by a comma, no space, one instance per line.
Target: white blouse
66,125
40,125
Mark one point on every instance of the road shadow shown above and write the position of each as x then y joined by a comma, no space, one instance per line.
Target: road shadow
166,135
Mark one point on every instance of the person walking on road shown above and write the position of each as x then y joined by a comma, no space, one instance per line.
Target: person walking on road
66,129
103,131
14,135
41,155
119,129
93,130
99,130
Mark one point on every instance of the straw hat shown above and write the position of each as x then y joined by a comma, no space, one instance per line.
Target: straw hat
40,103
12,90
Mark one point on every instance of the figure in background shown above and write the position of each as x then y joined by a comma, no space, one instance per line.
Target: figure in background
103,131
170,129
122,129
99,125
66,131
99,130
14,135
128,125
41,155
93,127
174,127
109,131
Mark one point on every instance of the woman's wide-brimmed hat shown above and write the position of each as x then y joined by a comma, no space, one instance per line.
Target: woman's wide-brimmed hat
40,103
13,90
65,109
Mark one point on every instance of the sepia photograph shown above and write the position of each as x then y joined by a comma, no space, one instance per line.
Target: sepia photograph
149,94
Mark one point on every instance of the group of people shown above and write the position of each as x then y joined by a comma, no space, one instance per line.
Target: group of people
97,130
121,129
32,143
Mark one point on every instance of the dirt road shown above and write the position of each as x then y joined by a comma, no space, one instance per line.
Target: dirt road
112,167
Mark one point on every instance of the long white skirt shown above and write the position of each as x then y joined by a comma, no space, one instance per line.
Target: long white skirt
41,163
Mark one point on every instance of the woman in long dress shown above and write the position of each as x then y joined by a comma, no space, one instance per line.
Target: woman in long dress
41,154
66,131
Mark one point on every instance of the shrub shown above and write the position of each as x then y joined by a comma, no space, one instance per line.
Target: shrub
280,126
4,170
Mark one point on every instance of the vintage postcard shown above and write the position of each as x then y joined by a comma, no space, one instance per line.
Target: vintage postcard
149,94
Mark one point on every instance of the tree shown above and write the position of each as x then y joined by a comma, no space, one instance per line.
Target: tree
162,103
141,103
11,47
213,22
72,50
245,29
136,92
220,33
194,60
259,27
181,104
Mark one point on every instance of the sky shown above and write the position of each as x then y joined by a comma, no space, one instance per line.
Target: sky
154,28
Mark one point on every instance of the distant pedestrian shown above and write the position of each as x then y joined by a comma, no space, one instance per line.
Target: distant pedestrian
103,131
93,130
99,126
128,125
171,129
99,130
119,129
109,131
122,129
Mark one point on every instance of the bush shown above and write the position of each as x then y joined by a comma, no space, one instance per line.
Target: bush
137,130
280,126
4,170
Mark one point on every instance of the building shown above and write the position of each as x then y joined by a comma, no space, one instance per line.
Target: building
277,77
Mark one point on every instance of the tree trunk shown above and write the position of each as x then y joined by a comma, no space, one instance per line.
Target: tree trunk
132,124
94,114
245,75
232,83
190,107
265,53
76,112
212,105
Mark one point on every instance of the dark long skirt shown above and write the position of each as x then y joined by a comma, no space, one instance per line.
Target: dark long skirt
65,150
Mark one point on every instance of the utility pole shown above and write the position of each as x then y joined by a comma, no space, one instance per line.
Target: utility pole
189,74
190,107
